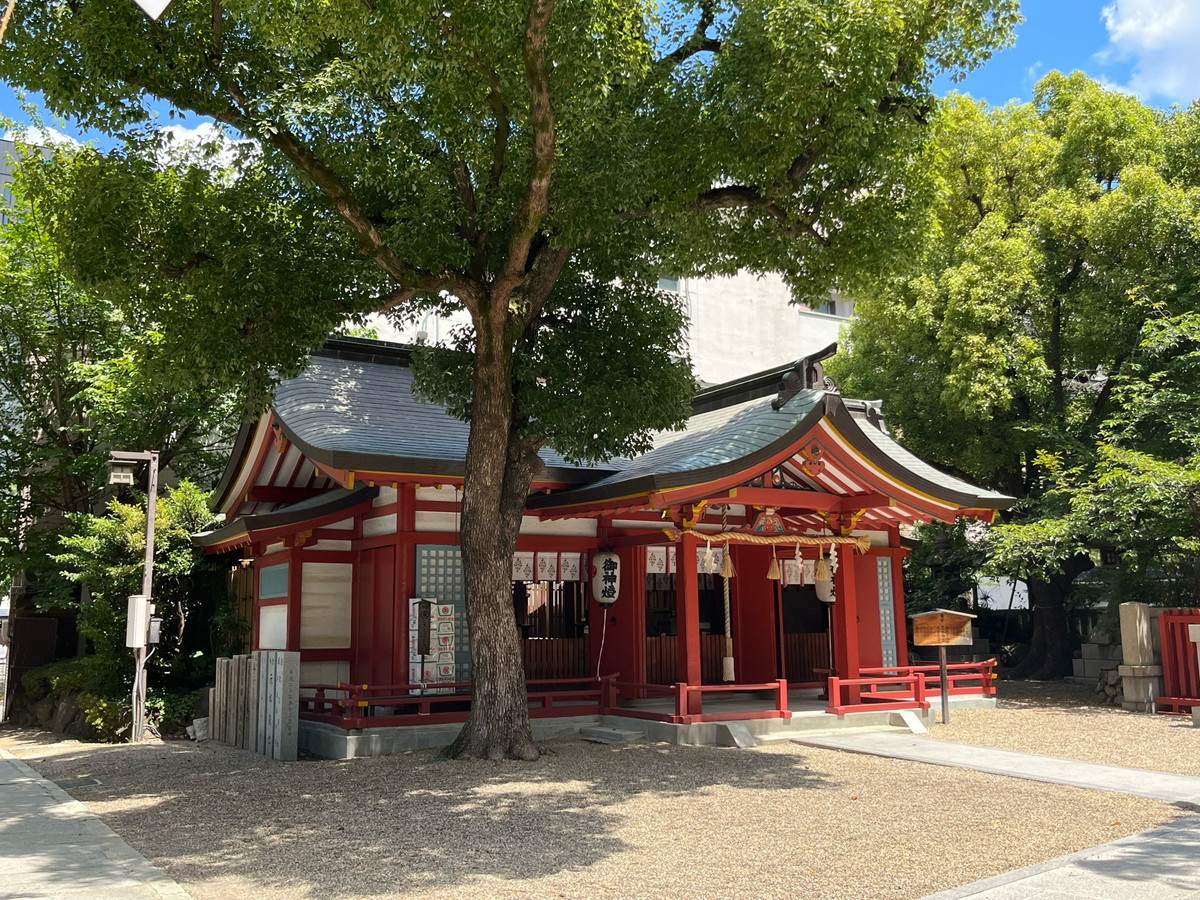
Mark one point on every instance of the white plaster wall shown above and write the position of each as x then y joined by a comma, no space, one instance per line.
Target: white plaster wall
325,605
564,527
436,521
379,525
447,494
332,545
330,672
272,627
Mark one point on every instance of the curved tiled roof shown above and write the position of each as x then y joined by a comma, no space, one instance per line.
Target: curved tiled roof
353,408
357,411
714,444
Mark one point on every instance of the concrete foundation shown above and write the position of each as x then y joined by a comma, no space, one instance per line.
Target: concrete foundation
331,742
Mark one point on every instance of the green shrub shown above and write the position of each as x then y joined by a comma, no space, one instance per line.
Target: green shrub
82,673
108,719
170,711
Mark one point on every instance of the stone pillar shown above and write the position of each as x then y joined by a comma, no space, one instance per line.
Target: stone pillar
1137,635
1194,637
1141,674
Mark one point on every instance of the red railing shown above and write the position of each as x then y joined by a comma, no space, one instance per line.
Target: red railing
383,705
1181,672
908,687
963,678
876,694
685,710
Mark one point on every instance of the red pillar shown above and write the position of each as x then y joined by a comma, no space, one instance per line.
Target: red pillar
687,619
845,613
295,586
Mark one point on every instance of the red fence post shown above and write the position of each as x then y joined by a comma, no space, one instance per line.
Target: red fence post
681,699
781,700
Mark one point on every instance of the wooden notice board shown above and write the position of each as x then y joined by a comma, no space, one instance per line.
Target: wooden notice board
941,628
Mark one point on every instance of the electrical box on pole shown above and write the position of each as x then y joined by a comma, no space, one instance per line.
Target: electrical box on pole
137,622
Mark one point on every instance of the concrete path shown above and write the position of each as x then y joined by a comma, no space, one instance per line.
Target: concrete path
51,846
1162,864
898,745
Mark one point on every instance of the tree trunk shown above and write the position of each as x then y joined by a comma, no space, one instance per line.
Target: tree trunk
499,469
1050,651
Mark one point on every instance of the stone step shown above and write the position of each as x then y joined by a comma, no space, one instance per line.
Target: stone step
603,734
814,732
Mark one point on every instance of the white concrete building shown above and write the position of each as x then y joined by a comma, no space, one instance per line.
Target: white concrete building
740,325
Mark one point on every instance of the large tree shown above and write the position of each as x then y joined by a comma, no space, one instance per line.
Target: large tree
533,162
1065,227
76,380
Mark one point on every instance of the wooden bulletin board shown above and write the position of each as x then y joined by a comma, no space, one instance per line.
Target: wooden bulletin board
942,628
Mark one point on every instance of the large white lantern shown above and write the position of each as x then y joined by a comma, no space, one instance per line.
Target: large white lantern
606,577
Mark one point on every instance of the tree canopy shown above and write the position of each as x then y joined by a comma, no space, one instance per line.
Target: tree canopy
78,378
530,162
1021,353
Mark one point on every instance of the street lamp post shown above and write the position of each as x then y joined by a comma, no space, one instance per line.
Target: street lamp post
121,464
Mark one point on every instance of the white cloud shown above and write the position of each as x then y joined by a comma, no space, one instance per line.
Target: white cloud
39,137
206,145
1160,39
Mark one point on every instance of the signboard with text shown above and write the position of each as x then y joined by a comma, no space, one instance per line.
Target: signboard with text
941,628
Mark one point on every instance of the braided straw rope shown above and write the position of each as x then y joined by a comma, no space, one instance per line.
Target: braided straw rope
861,543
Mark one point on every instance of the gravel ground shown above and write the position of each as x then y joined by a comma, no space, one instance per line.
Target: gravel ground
1063,719
587,821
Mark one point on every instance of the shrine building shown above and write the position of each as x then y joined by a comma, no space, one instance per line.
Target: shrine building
749,564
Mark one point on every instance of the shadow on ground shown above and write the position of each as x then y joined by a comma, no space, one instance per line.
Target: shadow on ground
411,823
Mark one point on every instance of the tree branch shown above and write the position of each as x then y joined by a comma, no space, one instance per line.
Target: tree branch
542,125
697,42
751,197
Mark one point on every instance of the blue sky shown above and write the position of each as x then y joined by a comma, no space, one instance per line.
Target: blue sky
1148,47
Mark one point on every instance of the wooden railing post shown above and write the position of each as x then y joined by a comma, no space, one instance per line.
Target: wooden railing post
834,690
681,699
781,698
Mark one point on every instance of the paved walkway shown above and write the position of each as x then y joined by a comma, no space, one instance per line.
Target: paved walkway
897,745
51,846
1161,864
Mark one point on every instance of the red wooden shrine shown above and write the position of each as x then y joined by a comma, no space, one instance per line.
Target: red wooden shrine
757,552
